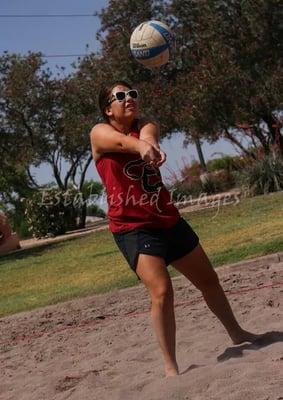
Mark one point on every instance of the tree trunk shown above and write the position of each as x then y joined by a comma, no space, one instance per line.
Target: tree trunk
232,139
82,180
200,155
82,216
276,136
262,139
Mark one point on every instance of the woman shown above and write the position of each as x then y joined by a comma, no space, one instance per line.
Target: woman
145,224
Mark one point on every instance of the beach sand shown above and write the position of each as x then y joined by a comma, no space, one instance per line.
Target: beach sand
103,347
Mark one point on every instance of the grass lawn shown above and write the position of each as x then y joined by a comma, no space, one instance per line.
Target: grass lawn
92,264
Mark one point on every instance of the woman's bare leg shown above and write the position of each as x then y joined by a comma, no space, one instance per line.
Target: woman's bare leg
197,268
153,272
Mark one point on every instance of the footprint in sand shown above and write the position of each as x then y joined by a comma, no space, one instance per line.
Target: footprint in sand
69,382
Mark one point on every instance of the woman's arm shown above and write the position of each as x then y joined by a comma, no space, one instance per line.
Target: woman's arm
150,132
106,139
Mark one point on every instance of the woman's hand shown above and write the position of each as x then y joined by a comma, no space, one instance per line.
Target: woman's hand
149,132
162,157
149,153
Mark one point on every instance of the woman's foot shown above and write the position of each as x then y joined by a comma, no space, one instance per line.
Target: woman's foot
171,370
244,336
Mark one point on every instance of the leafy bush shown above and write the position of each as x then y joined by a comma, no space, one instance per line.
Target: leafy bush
210,183
22,228
95,211
184,191
52,212
218,181
262,176
227,163
190,172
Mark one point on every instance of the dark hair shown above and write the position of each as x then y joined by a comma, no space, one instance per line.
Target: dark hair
105,91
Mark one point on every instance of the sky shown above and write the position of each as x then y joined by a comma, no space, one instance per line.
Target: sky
70,36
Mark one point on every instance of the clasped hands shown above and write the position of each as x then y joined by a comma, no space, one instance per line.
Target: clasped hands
152,154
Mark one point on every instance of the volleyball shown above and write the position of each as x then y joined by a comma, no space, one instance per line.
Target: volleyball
151,43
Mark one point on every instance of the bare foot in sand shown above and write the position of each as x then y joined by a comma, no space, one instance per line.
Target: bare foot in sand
171,370
244,336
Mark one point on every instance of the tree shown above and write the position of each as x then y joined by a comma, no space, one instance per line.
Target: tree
45,119
226,67
231,61
118,21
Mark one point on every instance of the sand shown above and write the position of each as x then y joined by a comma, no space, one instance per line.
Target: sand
102,347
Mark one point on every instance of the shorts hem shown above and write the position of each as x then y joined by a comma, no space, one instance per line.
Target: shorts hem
148,254
183,254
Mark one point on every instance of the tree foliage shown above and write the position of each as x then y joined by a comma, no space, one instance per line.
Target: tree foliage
226,69
43,119
224,79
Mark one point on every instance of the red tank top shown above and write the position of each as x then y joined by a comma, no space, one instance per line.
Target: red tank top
136,195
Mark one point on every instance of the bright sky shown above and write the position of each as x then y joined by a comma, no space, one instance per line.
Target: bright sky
69,36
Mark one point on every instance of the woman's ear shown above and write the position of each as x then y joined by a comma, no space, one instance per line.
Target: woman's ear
108,111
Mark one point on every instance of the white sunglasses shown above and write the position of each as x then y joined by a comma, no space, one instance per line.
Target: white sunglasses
121,96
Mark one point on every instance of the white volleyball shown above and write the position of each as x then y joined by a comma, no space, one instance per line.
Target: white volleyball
151,43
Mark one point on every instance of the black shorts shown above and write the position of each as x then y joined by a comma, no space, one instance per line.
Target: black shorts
168,243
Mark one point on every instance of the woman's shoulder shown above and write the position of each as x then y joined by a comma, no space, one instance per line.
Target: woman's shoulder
100,127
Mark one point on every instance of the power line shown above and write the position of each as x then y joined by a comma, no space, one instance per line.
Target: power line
45,15
63,55
58,55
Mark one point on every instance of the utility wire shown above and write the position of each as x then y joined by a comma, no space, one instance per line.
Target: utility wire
45,15
63,55
59,55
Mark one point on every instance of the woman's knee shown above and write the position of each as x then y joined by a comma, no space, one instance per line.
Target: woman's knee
162,294
208,282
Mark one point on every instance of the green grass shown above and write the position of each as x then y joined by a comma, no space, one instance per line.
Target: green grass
92,264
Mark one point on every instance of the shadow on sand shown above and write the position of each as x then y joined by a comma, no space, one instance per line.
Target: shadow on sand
264,340
193,366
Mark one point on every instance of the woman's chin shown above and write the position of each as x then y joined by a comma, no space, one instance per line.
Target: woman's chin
131,113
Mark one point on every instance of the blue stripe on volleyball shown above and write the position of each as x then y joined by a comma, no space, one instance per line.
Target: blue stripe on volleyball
144,54
167,36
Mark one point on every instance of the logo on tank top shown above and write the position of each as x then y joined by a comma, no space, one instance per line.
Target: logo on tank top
149,175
